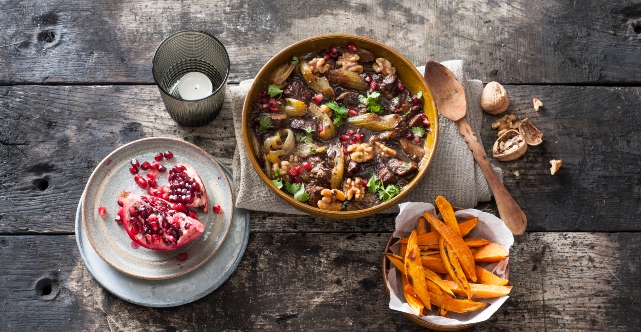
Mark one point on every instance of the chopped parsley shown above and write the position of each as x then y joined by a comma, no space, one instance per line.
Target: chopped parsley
395,100
385,193
273,90
308,135
294,61
340,112
407,165
278,183
298,190
265,123
371,101
418,131
312,150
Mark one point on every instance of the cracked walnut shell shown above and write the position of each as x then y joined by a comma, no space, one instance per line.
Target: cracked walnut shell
494,98
509,146
530,133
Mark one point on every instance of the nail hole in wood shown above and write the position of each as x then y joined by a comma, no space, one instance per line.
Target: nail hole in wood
41,184
47,36
46,288
637,27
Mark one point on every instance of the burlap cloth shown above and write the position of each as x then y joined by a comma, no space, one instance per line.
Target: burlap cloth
453,173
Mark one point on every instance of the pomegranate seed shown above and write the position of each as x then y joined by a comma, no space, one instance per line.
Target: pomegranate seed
120,202
102,211
307,165
180,207
351,132
400,87
327,56
415,100
158,157
162,168
333,50
318,98
426,123
297,180
135,245
372,86
357,137
272,102
410,135
273,109
152,183
352,48
352,142
168,155
141,181
151,175
183,256
188,224
299,169
262,94
344,149
192,214
352,112
365,182
134,163
266,105
217,209
293,171
320,128
344,137
417,139
133,170
145,166
155,165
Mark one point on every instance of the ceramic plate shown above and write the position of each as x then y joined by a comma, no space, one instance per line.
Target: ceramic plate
174,291
110,240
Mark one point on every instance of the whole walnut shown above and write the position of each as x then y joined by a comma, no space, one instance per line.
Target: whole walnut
494,98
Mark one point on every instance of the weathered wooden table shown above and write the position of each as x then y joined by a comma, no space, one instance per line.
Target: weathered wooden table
76,83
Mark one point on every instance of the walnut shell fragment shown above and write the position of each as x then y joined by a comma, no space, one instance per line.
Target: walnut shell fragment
537,104
530,133
494,98
509,146
556,164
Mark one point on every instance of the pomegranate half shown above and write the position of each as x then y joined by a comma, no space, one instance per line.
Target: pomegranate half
153,222
186,187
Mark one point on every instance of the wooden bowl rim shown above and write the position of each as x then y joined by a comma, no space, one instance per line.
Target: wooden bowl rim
428,101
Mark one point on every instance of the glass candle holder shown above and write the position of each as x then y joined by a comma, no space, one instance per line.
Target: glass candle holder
196,65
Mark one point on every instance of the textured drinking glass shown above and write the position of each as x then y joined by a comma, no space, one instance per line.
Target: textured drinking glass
187,52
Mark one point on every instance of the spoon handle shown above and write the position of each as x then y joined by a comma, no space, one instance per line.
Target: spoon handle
509,210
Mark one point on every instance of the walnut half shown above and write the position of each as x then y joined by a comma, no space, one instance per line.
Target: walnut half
383,66
509,146
354,189
332,200
360,152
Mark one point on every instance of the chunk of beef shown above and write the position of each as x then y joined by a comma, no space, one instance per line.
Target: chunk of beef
365,55
350,99
303,124
388,86
321,175
279,120
402,168
417,121
384,173
352,168
413,111
314,192
297,89
414,151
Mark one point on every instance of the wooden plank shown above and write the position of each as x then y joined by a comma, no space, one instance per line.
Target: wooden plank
525,41
53,137
326,282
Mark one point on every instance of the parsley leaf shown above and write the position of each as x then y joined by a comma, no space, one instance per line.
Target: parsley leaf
372,184
308,130
273,90
312,150
298,190
277,173
265,123
294,61
308,135
418,131
385,193
340,112
278,183
371,101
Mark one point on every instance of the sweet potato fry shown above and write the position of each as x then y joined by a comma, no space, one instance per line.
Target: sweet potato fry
467,226
489,278
453,267
429,252
415,272
433,277
480,291
448,214
456,243
412,299
492,252
403,248
434,263
427,239
421,226
397,261
476,242
455,305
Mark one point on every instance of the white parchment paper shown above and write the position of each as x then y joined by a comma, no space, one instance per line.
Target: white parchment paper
489,227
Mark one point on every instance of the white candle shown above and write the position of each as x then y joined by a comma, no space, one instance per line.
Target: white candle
194,86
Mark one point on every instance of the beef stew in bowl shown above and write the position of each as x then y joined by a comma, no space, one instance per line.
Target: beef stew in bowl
336,129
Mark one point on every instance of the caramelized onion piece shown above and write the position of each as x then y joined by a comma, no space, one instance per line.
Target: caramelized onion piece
293,107
339,165
347,79
374,122
318,84
328,129
281,73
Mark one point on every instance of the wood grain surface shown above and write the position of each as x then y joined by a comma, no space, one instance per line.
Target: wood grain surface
325,282
52,137
521,41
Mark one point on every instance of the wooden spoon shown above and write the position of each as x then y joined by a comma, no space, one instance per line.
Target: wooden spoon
449,97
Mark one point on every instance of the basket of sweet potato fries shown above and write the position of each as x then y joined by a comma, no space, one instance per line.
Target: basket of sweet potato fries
447,271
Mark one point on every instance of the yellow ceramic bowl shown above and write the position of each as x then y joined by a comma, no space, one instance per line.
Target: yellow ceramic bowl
406,72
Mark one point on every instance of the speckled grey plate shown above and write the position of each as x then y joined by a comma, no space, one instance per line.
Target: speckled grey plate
110,240
175,291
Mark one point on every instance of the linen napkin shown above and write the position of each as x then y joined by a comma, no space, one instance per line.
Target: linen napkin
453,173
